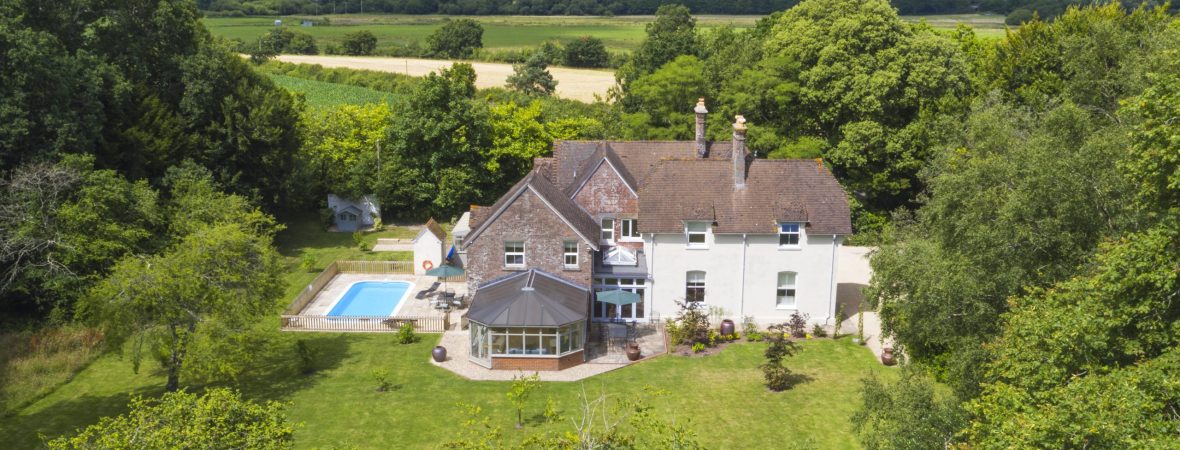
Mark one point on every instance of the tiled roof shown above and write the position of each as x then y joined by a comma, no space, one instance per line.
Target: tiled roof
637,158
590,166
562,205
436,230
776,190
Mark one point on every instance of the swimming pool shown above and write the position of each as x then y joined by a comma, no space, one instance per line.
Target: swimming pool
372,298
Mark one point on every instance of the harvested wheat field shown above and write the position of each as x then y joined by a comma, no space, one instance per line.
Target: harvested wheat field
575,84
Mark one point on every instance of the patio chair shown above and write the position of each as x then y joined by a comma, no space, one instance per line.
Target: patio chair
433,287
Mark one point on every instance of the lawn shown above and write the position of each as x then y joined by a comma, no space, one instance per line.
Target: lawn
319,94
721,396
623,33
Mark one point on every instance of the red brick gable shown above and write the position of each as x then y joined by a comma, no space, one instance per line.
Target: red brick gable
605,193
529,219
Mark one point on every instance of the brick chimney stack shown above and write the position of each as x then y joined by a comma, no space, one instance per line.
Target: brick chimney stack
739,151
702,151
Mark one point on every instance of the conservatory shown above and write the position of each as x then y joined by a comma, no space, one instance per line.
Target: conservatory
529,321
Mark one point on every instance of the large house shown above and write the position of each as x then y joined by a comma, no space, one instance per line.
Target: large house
674,221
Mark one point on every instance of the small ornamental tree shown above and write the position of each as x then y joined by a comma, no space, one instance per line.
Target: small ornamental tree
218,419
797,325
778,377
586,51
522,388
532,77
359,43
456,38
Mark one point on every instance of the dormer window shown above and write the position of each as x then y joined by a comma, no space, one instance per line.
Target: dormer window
619,256
696,233
788,234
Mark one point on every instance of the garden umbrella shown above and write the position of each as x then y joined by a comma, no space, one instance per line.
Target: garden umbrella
618,297
444,271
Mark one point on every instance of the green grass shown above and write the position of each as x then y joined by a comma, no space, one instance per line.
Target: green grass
623,33
721,395
319,94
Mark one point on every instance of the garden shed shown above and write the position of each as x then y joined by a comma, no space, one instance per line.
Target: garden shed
351,215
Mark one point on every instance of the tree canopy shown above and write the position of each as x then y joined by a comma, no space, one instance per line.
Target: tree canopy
456,38
217,419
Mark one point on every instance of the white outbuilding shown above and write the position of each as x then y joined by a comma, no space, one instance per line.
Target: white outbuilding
429,247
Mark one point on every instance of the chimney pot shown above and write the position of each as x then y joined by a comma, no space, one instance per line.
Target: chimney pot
702,113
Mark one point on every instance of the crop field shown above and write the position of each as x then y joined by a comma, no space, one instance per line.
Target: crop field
622,33
319,94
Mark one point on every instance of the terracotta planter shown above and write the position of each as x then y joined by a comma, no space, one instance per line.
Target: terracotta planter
439,353
633,352
727,327
887,356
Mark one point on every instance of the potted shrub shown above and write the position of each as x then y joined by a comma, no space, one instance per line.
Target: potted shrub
633,353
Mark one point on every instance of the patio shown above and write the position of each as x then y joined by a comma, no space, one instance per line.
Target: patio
428,310
602,356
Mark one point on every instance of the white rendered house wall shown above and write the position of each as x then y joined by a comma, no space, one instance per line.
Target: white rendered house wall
742,274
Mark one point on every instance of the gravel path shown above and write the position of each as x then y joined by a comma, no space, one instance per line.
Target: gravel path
575,84
852,275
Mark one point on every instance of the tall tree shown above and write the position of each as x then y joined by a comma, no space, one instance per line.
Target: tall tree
63,225
671,34
1044,185
533,77
870,84
456,38
221,274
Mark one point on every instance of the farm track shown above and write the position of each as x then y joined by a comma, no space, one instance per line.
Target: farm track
574,84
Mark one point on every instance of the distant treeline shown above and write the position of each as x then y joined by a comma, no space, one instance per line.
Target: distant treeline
489,7
1045,8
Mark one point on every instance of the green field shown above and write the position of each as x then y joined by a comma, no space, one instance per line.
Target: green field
319,94
721,396
622,33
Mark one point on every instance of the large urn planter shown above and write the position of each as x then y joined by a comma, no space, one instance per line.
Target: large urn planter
439,353
727,328
633,352
887,356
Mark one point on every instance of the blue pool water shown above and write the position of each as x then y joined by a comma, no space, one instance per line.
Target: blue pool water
371,298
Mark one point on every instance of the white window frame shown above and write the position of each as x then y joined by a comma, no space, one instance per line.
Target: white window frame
507,254
786,287
629,230
459,244
787,230
607,233
692,283
566,254
689,232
